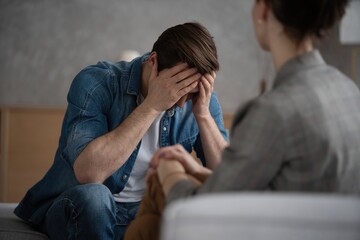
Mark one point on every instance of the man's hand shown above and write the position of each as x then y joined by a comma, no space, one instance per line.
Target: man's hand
178,153
201,100
165,89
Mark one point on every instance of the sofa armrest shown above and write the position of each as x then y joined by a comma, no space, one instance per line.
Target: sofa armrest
263,216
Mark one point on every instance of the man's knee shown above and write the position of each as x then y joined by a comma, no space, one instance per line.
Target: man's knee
88,207
91,197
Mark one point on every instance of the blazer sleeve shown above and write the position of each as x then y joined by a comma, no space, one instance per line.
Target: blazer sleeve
253,157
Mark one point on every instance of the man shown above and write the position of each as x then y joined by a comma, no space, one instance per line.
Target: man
118,115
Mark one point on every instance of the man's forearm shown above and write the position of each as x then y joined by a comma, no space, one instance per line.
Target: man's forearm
107,153
212,141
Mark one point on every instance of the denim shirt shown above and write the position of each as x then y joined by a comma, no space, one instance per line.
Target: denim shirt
101,96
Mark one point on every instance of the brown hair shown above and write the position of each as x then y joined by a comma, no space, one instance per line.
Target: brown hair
307,17
190,43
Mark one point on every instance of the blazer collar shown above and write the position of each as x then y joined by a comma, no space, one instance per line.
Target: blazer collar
305,61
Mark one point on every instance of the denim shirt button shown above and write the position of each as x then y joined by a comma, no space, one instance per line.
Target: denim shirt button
124,177
164,128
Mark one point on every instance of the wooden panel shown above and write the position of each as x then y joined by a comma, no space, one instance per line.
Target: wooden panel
32,141
29,138
228,117
3,152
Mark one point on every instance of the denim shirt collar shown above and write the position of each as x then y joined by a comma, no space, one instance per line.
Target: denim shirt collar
135,75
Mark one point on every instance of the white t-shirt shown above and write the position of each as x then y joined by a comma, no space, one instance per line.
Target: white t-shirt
135,186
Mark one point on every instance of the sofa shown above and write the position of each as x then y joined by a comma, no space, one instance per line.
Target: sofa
13,228
249,216
263,216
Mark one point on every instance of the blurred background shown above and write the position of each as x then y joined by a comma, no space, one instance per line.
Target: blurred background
45,43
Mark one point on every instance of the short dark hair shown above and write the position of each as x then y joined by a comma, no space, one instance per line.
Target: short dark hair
307,17
190,43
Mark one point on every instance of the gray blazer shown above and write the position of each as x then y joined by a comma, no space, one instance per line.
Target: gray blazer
303,135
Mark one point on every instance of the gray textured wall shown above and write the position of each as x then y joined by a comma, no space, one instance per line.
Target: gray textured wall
44,43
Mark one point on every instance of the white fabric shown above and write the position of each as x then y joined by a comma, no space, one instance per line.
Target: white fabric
263,216
135,187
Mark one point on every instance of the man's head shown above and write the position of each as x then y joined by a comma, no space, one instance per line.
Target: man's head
189,43
187,48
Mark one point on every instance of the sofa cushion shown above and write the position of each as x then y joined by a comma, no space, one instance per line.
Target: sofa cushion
13,228
263,216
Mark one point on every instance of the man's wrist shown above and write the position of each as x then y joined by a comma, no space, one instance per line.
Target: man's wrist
204,116
148,109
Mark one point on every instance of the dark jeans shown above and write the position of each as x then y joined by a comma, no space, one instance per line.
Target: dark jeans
88,211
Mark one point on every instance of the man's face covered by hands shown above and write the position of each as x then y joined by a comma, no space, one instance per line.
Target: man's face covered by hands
200,92
188,96
201,88
176,85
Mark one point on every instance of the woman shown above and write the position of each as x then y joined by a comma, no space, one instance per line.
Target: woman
303,135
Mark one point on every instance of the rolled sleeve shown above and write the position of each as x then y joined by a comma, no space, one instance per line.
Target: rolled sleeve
88,103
